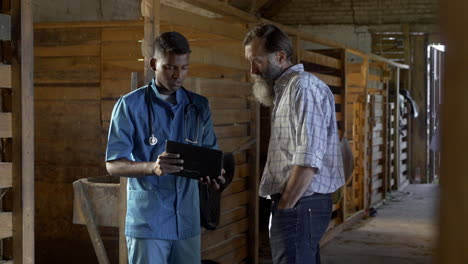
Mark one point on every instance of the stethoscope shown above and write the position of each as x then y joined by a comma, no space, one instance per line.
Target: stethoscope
152,140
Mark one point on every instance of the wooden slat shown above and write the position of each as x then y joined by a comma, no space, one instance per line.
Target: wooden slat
114,34
338,98
217,72
121,50
235,200
221,117
67,70
230,216
317,58
6,227
5,76
215,237
329,79
239,130
218,87
69,50
236,186
242,170
235,256
227,103
178,17
224,247
6,175
67,93
5,125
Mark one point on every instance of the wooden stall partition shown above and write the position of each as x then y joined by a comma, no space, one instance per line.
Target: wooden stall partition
356,75
377,84
16,133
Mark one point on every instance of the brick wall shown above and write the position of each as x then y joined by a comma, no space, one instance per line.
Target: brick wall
361,12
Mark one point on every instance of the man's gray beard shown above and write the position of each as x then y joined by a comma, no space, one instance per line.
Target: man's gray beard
262,91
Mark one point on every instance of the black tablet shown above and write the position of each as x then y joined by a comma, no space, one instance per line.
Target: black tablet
198,161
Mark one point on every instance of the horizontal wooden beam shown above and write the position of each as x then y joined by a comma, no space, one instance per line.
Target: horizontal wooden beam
6,173
179,17
6,228
320,59
5,125
90,24
5,76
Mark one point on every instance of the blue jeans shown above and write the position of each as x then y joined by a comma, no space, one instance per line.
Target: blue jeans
160,251
295,232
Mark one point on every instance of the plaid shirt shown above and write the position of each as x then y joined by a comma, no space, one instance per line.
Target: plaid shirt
304,133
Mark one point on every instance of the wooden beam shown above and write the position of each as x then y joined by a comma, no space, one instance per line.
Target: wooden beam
223,8
192,21
317,58
151,13
452,245
23,131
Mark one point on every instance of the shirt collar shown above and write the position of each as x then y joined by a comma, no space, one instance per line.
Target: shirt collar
284,78
181,95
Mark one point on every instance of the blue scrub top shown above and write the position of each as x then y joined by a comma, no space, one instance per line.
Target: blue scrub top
160,207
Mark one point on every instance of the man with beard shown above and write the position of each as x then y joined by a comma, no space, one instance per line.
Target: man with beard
304,164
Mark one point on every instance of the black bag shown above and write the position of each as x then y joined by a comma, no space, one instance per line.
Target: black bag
210,200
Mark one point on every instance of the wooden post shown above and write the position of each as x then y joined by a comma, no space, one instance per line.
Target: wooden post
254,180
23,131
407,43
151,13
396,128
367,189
453,246
91,223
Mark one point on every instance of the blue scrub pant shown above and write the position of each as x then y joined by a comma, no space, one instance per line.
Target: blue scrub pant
159,251
295,233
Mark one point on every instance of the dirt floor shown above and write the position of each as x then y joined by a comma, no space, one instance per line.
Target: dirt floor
403,231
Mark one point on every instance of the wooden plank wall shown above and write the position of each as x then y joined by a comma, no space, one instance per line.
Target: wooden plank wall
356,75
78,82
68,130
